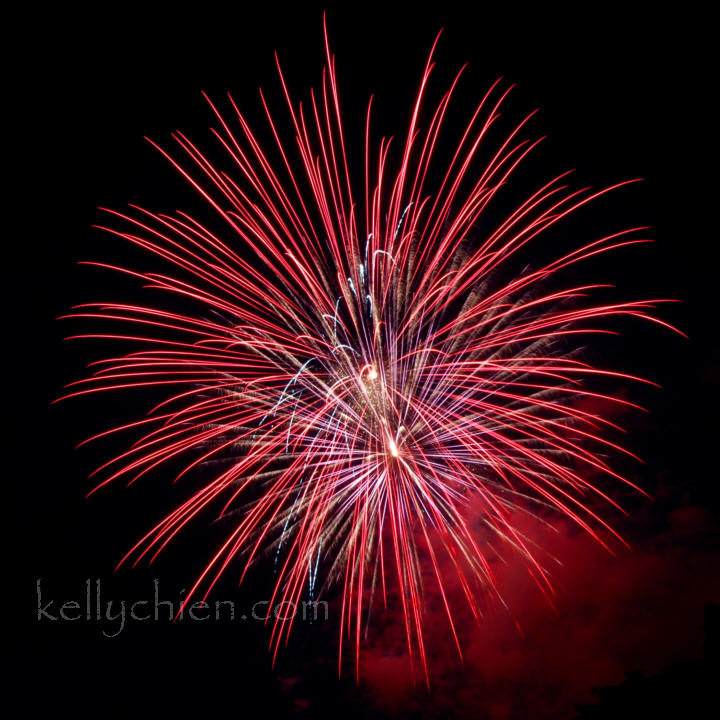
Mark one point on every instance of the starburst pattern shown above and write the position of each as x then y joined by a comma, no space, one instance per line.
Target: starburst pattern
356,364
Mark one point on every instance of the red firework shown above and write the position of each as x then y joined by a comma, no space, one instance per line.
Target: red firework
356,363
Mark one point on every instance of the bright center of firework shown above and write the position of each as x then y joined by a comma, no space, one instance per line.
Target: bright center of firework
393,448
370,372
391,443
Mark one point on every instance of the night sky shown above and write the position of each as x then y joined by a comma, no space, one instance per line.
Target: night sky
621,95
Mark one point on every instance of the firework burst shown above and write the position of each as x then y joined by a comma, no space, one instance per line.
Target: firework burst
356,364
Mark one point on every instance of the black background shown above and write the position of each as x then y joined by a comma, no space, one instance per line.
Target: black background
622,93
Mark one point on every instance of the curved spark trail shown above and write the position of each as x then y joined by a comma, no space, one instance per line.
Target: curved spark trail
355,362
